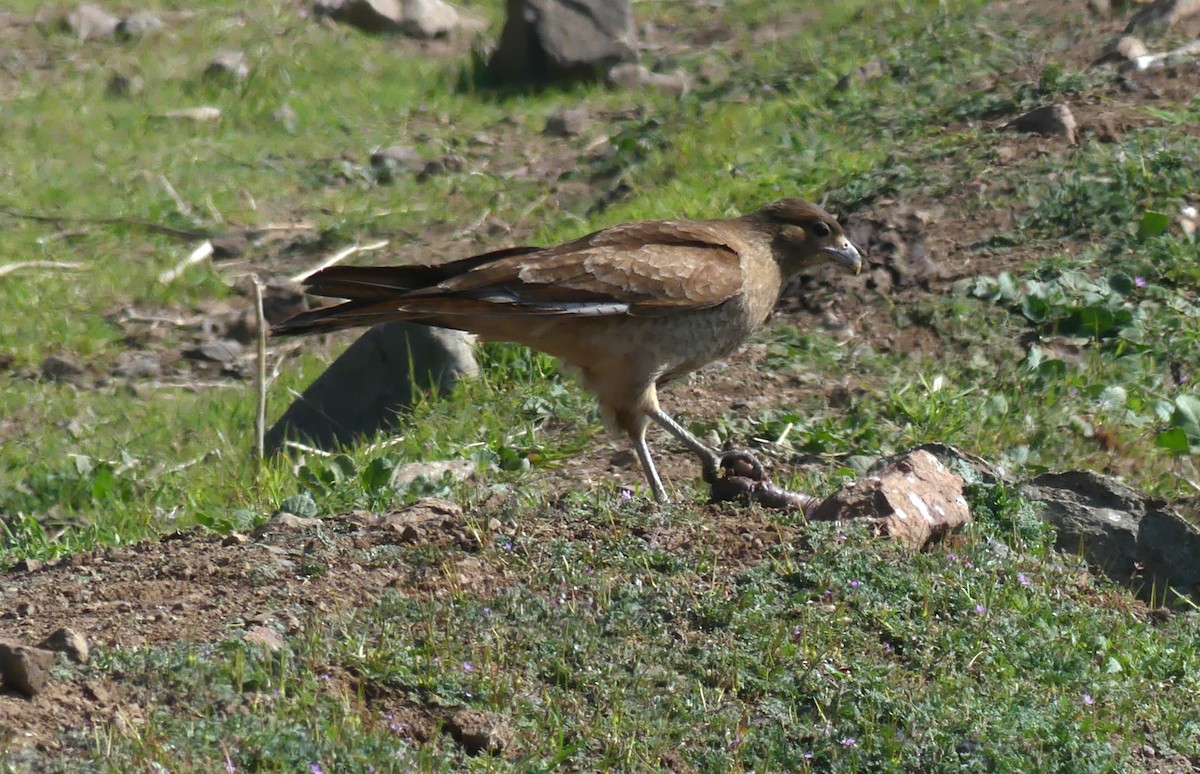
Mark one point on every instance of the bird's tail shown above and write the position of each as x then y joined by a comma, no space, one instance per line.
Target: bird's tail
377,294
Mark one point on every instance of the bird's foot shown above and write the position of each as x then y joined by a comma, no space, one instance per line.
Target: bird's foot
745,480
733,462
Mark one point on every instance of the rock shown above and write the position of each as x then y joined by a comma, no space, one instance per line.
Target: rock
264,637
224,351
285,521
387,161
124,85
433,472
91,22
413,524
451,162
1101,8
860,76
478,731
138,365
634,76
229,245
912,497
59,369
69,642
1049,120
567,122
364,390
25,669
139,25
415,18
228,66
1162,14
198,114
1130,537
562,40
286,116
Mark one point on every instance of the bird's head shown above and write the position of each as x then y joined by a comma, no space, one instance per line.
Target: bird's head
804,234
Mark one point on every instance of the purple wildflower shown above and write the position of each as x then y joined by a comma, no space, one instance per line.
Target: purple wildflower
1088,700
1023,579
980,609
1139,282
849,741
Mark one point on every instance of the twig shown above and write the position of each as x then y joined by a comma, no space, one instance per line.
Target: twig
337,257
184,233
470,228
11,267
181,206
260,375
199,254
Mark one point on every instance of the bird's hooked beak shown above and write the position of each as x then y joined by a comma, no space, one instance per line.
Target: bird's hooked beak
844,252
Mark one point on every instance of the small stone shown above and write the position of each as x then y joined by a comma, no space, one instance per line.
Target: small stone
634,76
229,245
124,85
219,351
286,117
139,25
229,66
25,669
235,539
265,637
138,365
1048,120
567,122
70,642
288,522
91,22
59,369
198,114
432,472
861,76
451,162
395,157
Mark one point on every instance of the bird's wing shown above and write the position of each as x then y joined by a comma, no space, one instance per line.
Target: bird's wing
641,269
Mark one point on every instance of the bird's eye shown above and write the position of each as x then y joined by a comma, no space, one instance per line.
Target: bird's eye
820,229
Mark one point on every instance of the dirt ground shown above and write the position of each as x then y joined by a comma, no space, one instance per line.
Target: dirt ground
199,587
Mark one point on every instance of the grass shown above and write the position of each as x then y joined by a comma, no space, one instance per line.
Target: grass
832,652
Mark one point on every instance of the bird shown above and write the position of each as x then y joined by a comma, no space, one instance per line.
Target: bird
630,308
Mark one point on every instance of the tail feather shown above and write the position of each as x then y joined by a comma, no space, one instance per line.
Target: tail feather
379,282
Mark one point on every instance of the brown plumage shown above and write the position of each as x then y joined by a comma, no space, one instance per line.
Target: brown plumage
631,307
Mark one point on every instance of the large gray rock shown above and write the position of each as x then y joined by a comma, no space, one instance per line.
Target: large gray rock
372,383
1134,539
551,40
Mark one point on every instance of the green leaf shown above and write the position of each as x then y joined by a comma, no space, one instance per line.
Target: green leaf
1173,440
1153,224
301,505
1187,415
377,475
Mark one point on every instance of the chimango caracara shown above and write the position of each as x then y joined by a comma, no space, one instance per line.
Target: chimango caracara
631,307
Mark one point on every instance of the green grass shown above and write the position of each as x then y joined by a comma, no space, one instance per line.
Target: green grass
608,653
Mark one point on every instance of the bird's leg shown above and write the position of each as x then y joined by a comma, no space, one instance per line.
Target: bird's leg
643,453
711,461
